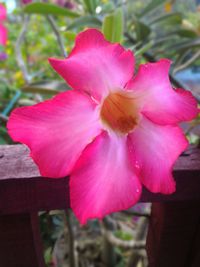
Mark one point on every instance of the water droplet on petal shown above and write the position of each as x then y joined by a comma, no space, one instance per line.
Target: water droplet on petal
137,164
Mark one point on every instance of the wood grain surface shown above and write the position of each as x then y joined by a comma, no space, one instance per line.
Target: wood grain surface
22,189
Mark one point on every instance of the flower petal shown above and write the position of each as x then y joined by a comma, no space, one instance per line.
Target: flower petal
155,148
95,65
2,12
3,35
103,180
56,131
159,102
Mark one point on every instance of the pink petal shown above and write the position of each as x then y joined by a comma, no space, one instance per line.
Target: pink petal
155,148
95,65
3,35
2,12
103,181
159,102
56,131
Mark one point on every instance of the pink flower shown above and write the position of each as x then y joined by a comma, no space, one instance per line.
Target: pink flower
3,30
27,1
2,12
112,133
64,3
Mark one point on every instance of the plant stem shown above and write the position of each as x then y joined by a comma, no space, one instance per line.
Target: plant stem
72,255
18,52
108,253
57,34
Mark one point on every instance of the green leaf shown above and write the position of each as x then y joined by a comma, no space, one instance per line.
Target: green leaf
2,141
123,235
186,33
86,21
171,35
144,49
90,5
151,6
193,139
172,18
49,9
1,48
3,135
142,30
187,44
113,26
49,87
48,255
71,36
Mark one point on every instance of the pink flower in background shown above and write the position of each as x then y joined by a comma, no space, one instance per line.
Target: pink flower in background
2,12
112,133
3,30
64,3
27,1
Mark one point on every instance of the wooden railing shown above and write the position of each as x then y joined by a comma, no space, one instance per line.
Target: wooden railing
174,226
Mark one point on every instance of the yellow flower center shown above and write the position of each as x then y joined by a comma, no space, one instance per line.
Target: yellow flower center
119,112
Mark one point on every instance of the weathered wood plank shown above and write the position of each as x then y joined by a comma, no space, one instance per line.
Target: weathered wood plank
22,189
15,162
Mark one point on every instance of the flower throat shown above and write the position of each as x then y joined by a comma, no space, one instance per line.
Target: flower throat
119,112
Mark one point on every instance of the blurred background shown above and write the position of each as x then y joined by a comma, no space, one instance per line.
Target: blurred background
37,30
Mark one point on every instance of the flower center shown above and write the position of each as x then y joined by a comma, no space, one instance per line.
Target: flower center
119,112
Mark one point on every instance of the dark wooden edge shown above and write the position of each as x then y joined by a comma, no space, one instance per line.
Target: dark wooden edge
37,241
22,189
21,244
173,234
